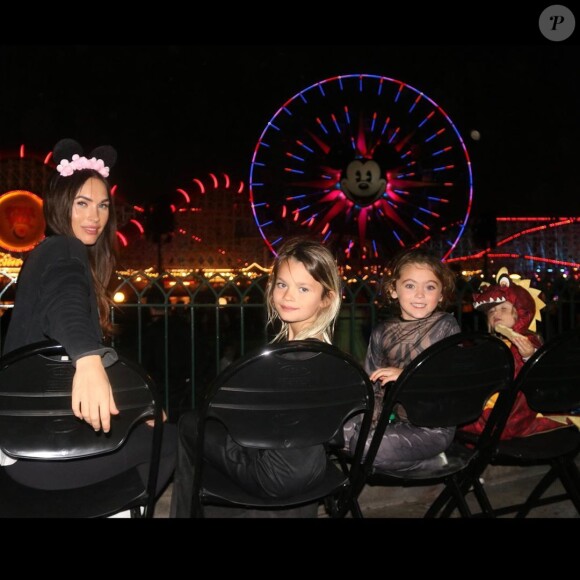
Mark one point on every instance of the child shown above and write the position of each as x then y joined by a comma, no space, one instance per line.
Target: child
512,310
304,291
303,295
422,286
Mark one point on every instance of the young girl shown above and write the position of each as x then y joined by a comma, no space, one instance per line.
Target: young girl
422,286
303,296
62,295
303,291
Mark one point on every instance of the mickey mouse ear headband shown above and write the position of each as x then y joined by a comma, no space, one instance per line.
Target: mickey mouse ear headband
68,154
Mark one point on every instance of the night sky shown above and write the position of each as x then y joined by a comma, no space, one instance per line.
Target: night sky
177,112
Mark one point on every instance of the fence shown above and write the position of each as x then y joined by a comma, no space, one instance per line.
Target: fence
185,329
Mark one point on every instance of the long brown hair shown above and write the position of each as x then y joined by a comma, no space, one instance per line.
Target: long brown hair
58,204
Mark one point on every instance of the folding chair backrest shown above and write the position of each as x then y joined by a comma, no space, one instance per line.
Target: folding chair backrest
36,419
550,380
449,383
291,394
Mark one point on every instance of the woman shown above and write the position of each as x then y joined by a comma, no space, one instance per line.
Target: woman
62,295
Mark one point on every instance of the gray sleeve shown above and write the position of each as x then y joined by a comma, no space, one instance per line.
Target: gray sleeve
109,356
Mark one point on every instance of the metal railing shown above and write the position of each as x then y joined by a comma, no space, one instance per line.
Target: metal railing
184,330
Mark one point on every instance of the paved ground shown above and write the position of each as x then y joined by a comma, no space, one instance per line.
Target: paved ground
505,488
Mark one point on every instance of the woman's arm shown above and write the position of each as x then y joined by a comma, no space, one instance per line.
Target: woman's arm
69,310
69,315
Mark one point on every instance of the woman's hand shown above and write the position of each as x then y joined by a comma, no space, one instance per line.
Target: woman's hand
385,375
92,396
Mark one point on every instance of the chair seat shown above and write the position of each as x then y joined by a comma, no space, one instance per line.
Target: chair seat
218,488
458,457
540,447
100,499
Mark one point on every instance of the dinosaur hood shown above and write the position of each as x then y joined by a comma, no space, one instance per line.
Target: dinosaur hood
524,299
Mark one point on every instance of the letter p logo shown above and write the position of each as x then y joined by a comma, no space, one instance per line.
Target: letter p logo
557,22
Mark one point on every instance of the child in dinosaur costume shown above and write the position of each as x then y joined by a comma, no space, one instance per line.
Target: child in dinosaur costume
512,308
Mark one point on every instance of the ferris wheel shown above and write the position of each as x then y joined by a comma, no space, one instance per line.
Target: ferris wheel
368,164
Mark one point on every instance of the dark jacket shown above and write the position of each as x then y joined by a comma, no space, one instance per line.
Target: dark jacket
55,299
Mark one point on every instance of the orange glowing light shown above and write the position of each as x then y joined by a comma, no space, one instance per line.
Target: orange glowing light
21,220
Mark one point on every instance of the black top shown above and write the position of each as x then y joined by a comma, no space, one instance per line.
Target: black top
55,299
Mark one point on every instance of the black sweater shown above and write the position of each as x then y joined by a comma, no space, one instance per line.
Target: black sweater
55,299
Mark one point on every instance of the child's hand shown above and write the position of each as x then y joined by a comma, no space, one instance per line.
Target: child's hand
385,375
507,331
151,422
524,346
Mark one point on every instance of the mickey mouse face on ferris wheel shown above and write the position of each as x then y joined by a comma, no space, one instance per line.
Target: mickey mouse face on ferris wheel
368,164
363,182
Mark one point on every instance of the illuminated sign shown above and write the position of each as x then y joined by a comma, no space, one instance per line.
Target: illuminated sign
21,220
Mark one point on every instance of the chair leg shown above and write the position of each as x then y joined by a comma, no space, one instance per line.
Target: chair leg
538,491
574,472
332,506
185,502
345,505
459,495
443,500
482,498
446,502
571,481
565,469
355,509
451,497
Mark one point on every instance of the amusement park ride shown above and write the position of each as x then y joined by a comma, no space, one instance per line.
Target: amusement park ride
368,164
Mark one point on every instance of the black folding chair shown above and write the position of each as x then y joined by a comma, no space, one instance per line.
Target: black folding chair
550,381
37,423
446,385
287,395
